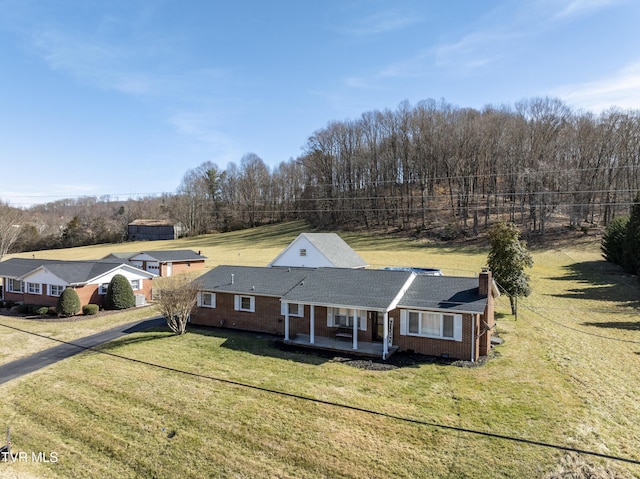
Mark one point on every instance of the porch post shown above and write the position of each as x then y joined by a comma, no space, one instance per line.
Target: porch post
385,335
312,324
355,329
286,322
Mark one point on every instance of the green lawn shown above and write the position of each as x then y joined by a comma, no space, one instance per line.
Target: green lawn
567,374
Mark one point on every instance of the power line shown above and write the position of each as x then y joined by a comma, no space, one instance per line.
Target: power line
394,417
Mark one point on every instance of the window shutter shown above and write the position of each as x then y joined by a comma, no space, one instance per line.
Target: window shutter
199,298
329,317
253,304
363,319
403,322
457,327
236,302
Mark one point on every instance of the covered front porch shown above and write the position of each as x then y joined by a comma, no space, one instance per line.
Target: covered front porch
322,343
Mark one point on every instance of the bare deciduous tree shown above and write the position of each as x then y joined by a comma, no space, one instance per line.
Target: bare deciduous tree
177,296
10,224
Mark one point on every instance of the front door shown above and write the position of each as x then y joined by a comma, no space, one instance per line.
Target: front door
377,323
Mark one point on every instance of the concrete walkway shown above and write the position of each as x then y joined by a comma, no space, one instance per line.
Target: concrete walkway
27,365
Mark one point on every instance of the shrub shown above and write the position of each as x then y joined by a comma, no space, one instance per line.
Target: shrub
612,245
68,303
119,294
9,303
90,309
43,310
24,308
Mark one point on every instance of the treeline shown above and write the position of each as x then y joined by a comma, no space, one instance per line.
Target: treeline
433,168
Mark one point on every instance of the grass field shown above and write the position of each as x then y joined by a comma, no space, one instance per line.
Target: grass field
567,374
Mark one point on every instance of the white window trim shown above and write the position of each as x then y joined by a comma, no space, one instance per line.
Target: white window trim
11,283
51,286
201,299
299,314
36,290
102,289
237,303
457,325
139,287
362,317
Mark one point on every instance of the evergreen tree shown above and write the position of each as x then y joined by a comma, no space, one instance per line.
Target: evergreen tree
507,259
613,240
631,261
119,294
68,303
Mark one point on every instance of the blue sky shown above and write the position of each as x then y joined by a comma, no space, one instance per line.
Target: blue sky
122,97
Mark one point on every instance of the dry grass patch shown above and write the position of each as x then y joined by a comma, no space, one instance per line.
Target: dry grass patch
15,344
567,374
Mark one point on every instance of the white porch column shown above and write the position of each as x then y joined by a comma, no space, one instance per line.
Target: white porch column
312,324
385,335
355,329
286,322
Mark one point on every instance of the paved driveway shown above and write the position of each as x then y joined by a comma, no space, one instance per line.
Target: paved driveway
27,365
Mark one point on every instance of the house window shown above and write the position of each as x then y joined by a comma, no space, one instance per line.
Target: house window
14,286
103,288
135,284
207,300
343,317
33,288
303,252
245,303
432,325
55,290
293,309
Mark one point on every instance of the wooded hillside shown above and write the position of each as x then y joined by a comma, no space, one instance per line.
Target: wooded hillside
432,167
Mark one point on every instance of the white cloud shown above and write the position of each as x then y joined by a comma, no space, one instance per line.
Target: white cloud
382,22
202,126
621,89
583,7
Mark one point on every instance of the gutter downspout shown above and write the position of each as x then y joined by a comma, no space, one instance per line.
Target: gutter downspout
473,338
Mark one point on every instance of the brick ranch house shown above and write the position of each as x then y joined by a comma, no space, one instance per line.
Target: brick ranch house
372,312
41,281
163,262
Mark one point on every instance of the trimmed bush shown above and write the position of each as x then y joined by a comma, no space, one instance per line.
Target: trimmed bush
9,303
24,308
43,310
119,294
90,309
68,303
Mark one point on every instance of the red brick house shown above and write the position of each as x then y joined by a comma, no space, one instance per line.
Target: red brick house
37,281
163,262
373,312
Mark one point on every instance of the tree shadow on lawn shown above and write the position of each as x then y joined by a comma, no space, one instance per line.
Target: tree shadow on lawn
270,345
628,325
603,282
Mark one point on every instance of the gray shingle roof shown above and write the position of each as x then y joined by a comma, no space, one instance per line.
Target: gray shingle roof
274,281
336,250
174,255
73,272
357,288
362,288
444,292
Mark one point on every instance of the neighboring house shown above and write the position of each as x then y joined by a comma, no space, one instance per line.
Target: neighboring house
152,230
375,311
163,262
319,250
37,281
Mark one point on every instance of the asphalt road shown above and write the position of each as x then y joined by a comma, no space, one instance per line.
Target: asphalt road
27,365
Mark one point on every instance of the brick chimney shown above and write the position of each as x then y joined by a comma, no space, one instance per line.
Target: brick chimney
484,283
